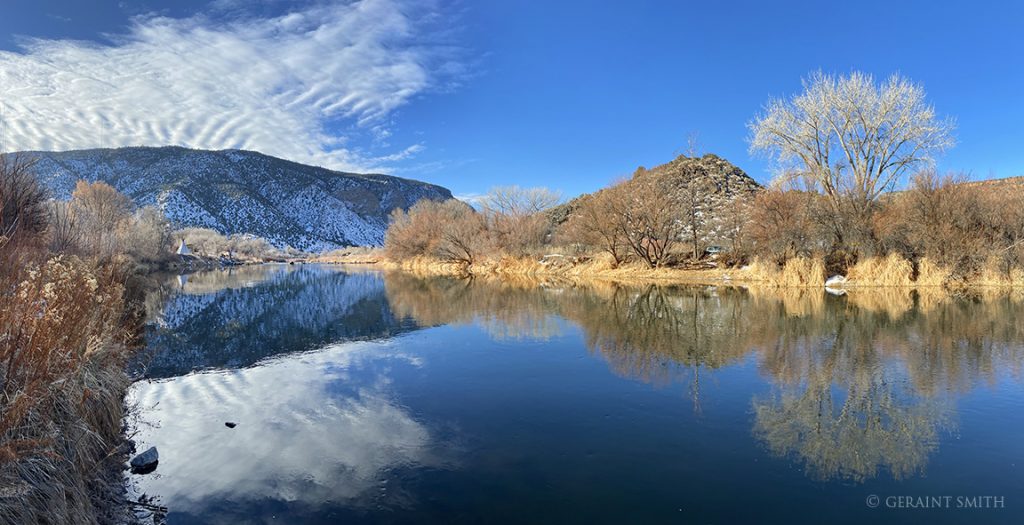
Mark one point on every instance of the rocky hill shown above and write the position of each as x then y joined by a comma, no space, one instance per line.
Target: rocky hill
235,191
717,185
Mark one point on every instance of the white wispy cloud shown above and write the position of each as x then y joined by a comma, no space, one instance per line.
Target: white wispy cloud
277,85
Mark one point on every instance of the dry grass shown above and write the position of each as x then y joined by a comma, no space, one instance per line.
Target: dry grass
798,272
931,274
892,270
426,266
566,268
63,338
353,255
995,274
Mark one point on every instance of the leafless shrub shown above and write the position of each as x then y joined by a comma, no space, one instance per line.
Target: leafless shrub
211,243
451,231
782,224
516,219
65,231
595,224
22,200
650,221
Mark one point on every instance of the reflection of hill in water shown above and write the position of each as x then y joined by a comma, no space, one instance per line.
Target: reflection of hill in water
234,318
861,383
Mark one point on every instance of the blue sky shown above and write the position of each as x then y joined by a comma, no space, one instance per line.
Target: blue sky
569,95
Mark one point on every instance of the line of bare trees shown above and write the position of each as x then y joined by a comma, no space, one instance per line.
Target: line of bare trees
97,220
961,226
843,147
511,220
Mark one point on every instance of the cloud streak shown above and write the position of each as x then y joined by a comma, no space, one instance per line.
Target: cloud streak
282,85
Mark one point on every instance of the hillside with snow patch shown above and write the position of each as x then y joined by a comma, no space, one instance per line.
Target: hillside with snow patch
235,191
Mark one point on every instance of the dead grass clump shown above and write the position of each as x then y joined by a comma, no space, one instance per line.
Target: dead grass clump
931,274
63,337
803,272
798,272
351,255
762,270
509,265
892,270
995,273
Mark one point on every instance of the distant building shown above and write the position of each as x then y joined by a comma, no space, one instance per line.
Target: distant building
183,249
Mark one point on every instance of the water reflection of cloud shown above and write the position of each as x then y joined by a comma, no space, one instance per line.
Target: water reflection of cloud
312,428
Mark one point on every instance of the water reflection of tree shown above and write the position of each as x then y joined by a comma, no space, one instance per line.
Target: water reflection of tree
842,404
654,333
860,384
865,383
507,310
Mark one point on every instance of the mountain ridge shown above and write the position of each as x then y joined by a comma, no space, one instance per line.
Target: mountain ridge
243,192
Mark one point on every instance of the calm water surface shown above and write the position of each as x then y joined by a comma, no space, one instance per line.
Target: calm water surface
363,397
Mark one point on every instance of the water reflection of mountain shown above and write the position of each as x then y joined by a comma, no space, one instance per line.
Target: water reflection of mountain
234,318
860,384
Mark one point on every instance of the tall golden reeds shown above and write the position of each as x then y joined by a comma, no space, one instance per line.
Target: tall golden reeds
63,337
891,270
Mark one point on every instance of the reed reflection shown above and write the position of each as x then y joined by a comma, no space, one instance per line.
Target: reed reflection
860,385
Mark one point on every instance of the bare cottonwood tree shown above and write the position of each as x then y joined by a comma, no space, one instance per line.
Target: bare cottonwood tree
149,238
694,213
649,220
516,216
854,137
103,213
596,223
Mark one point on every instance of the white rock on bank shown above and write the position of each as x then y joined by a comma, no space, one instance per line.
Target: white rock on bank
836,281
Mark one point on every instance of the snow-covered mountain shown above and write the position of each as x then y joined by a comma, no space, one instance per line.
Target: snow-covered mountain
235,191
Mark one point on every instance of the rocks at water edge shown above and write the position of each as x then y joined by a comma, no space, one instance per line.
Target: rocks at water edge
146,462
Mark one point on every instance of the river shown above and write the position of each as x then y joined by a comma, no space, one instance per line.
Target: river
368,397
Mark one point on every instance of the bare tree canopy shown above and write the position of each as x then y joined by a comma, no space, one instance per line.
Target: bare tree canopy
854,137
515,216
515,201
22,199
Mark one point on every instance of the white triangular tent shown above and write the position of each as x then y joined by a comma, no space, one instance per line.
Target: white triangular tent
183,249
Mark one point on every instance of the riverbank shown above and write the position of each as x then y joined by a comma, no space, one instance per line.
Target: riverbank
892,271
69,326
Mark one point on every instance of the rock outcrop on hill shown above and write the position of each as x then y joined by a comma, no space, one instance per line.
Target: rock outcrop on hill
711,186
